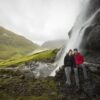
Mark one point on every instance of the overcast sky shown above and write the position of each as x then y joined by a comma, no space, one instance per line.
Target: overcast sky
39,20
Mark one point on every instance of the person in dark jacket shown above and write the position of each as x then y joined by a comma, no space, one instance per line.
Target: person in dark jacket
69,62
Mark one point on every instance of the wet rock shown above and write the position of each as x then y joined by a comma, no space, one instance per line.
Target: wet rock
88,89
1,87
90,43
93,69
93,39
6,76
21,76
83,97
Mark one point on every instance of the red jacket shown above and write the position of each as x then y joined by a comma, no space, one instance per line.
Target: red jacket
79,59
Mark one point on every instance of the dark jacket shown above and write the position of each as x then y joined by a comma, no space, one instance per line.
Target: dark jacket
69,61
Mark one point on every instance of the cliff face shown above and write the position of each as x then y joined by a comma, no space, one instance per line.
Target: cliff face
92,33
93,6
90,43
91,38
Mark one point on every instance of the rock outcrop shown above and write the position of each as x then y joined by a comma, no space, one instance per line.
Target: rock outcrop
91,40
90,43
89,90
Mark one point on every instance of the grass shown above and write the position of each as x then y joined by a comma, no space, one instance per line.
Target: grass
41,89
7,52
12,44
38,56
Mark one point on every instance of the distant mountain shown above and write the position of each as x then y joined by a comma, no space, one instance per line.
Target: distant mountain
54,44
12,45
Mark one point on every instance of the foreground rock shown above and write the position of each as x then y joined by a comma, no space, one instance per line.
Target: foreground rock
37,68
89,90
17,86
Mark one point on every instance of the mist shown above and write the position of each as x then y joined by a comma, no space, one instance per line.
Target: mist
39,20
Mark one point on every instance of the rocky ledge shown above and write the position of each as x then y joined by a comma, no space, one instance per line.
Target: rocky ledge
15,85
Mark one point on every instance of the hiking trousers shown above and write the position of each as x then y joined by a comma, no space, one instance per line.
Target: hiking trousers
84,70
76,76
68,75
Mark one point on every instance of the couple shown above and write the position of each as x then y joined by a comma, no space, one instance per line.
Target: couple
74,60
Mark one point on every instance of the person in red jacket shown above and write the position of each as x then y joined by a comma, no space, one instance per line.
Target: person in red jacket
79,60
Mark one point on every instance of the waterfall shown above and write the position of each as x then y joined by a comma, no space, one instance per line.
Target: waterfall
77,34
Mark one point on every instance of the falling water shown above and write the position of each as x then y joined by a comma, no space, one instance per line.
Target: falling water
77,35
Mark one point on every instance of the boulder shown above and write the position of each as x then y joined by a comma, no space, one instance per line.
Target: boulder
93,40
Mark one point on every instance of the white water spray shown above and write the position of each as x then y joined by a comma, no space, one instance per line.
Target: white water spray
76,37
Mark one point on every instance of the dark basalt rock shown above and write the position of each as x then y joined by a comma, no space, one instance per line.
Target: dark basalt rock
91,36
89,90
90,43
93,6
93,40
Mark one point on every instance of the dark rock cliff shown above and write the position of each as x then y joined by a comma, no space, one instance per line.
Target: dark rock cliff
90,43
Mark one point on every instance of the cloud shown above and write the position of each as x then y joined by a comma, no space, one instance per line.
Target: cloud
39,20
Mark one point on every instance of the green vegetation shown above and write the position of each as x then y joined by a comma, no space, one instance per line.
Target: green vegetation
13,45
23,89
50,54
15,85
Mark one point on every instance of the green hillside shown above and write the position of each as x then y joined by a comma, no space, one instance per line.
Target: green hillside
13,45
45,55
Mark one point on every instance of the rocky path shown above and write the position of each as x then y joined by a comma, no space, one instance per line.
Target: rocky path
89,89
